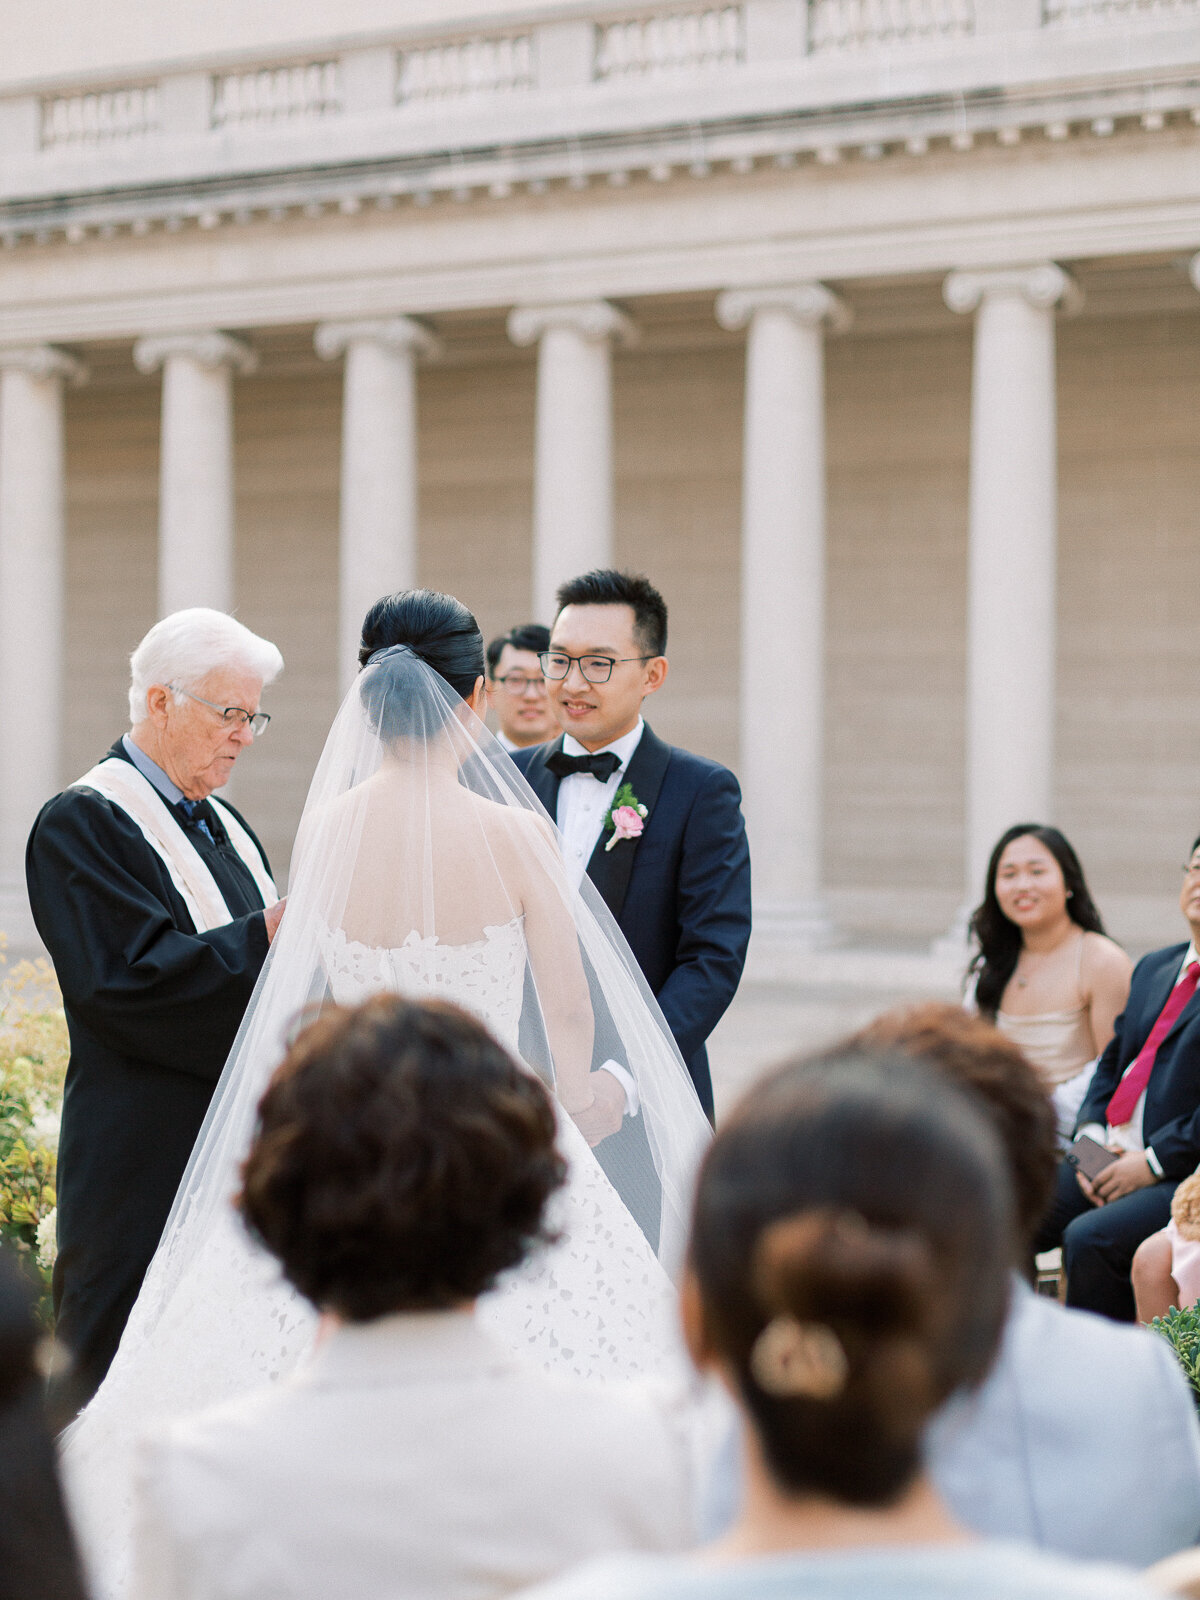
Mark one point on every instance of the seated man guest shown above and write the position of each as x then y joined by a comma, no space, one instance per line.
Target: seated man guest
402,1162
1143,1104
156,904
1029,1454
516,688
848,1271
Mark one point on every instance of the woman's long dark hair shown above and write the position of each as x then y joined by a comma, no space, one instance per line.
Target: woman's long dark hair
998,937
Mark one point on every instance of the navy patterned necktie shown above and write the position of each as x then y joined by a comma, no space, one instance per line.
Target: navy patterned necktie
193,817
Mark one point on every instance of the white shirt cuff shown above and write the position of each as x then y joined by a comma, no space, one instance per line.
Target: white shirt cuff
627,1081
1094,1131
1153,1162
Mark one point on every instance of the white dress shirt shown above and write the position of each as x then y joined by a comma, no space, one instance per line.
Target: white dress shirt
1129,1135
584,802
412,1457
505,742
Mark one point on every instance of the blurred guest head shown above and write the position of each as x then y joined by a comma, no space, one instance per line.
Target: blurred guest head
516,686
978,1058
848,1268
37,1550
402,1160
1034,883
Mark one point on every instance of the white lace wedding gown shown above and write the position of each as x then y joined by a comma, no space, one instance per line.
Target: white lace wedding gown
597,1303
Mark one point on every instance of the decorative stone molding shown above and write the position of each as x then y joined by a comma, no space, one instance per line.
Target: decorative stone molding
593,319
503,65
851,27
43,361
394,333
672,42
99,118
1043,284
302,93
809,303
208,349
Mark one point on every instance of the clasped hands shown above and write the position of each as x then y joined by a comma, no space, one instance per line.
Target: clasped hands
1128,1173
604,1113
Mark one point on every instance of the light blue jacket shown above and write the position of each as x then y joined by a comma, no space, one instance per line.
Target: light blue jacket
1083,1439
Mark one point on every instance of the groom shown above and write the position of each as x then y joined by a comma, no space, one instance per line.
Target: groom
659,831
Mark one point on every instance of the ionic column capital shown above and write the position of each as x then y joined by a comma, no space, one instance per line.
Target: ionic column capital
595,320
333,339
42,361
810,304
211,350
1042,284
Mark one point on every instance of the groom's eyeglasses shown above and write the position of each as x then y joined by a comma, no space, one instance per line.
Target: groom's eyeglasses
232,716
595,669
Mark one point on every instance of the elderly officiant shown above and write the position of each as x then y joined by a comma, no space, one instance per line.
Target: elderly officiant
156,903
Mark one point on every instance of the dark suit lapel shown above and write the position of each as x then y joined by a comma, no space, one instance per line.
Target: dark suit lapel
541,780
611,870
1189,1011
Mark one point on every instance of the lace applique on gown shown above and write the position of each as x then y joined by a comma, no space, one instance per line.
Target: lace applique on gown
596,1304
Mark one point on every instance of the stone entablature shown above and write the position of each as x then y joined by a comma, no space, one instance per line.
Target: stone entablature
668,90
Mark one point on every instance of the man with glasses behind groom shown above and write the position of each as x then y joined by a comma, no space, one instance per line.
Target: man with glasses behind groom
658,830
156,904
516,688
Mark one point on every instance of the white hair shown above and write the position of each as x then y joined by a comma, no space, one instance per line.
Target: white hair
186,646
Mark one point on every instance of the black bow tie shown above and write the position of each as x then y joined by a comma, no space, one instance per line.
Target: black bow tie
602,765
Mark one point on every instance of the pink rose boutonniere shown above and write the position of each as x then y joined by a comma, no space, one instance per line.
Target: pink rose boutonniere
626,818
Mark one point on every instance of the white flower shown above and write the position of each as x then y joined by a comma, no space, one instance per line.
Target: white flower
47,1239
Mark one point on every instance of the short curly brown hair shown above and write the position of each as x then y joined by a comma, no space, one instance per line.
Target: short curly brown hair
980,1059
402,1160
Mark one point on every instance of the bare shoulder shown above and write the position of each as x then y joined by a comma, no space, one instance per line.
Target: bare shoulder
1104,962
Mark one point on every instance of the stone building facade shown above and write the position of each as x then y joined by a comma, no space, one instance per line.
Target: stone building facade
870,330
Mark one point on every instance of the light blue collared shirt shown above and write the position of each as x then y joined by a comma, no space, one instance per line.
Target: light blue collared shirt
152,771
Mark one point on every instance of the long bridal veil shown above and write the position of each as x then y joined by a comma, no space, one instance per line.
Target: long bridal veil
423,865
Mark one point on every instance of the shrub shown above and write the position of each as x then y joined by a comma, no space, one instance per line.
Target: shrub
1181,1329
33,1064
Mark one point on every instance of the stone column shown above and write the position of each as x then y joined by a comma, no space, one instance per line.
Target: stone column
377,551
1012,555
573,490
31,604
195,506
783,596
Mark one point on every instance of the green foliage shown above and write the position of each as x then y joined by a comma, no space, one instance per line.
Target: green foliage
623,797
1181,1329
33,1064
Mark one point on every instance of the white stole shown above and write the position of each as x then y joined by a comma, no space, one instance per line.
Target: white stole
122,783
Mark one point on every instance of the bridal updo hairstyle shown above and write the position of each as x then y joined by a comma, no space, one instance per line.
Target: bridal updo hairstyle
850,1255
998,938
402,1160
440,631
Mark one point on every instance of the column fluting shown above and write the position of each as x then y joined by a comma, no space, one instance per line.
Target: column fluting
196,504
573,469
783,596
377,546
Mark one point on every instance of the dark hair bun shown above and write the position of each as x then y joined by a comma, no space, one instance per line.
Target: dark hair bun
828,1265
441,632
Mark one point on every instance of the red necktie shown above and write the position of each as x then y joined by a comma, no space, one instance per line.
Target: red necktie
1129,1091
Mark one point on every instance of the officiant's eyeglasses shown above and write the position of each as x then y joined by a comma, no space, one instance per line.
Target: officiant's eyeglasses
232,716
595,669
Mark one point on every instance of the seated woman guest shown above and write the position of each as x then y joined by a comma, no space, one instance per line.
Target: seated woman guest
848,1271
402,1162
1046,973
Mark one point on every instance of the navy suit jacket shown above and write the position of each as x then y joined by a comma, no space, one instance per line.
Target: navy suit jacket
1171,1121
681,892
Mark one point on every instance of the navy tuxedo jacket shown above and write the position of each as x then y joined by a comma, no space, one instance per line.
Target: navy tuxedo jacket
1171,1122
681,892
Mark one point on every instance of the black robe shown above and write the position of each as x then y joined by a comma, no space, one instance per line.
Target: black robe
152,1008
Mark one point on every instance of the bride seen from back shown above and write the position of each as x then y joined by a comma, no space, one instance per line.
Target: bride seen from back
423,867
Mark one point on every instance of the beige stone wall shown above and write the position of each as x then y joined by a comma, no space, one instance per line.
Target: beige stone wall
1129,706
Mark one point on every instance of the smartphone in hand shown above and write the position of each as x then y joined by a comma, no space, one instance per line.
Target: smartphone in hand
1088,1157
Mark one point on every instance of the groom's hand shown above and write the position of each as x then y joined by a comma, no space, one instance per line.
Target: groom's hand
607,1110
